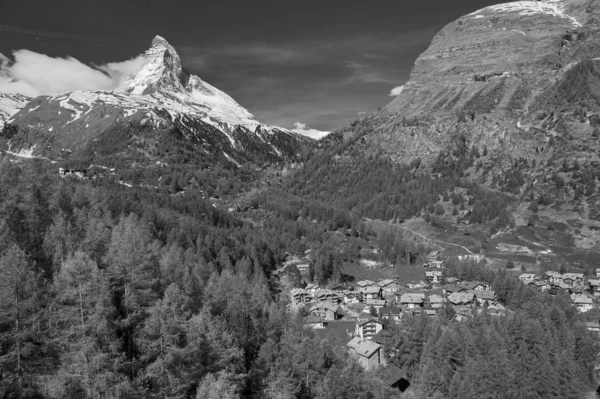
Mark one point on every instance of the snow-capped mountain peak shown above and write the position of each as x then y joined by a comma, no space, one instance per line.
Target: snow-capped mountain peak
161,70
163,78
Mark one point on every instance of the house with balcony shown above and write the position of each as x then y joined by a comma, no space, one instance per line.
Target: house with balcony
367,328
371,292
434,276
389,286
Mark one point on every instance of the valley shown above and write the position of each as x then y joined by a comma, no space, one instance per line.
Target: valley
158,241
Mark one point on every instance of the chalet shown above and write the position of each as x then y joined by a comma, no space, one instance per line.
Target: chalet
303,267
433,276
527,276
311,288
597,272
365,284
77,173
554,277
436,301
461,298
575,279
367,328
389,286
415,285
583,303
438,264
448,289
475,285
496,310
431,312
328,296
594,286
486,297
390,313
376,303
299,295
453,280
368,354
371,292
341,289
539,284
353,297
325,311
412,301
393,377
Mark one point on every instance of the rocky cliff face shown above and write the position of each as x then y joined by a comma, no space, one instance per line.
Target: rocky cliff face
494,53
512,93
160,103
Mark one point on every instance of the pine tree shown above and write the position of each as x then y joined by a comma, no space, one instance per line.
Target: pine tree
132,271
162,342
82,319
19,313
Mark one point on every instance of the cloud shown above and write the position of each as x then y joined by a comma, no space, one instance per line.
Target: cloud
396,91
370,74
304,129
33,74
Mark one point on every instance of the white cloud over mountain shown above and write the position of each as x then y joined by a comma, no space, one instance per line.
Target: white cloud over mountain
33,74
304,129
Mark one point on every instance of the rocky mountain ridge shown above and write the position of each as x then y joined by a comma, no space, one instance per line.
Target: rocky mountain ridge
162,98
506,98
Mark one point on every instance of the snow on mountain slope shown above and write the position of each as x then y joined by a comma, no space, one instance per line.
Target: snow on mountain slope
161,98
10,104
163,79
554,8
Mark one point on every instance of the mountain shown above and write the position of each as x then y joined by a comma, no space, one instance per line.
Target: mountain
161,114
497,126
10,104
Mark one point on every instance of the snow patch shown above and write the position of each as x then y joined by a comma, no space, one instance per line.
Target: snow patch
527,8
24,153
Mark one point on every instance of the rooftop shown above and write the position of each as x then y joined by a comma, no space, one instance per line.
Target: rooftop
412,298
362,347
391,374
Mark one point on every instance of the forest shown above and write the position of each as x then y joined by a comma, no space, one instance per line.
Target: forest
109,291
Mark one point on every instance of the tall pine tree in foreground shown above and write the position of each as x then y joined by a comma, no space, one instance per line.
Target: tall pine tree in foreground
19,321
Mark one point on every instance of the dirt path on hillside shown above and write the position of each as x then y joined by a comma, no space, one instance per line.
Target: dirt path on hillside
422,236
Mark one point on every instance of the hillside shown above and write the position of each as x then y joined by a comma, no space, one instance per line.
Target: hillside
496,128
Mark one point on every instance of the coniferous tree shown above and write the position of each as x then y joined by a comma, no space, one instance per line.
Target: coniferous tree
19,317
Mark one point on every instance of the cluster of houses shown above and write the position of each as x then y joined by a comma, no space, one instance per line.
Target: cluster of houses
358,313
581,290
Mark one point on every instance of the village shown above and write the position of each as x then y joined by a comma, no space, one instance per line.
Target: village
357,313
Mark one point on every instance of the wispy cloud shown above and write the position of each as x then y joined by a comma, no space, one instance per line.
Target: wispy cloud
305,130
34,74
362,72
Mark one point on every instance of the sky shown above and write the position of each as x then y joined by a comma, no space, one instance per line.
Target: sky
309,65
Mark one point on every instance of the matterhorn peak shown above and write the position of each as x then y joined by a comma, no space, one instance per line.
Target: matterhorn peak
162,70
